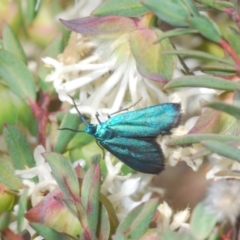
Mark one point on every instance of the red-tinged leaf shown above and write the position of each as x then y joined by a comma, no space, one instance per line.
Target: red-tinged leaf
100,25
9,235
64,174
151,63
54,214
91,191
212,121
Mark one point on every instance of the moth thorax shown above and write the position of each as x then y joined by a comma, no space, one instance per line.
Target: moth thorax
91,129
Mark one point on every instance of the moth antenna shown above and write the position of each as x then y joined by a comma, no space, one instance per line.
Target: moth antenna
97,117
73,130
79,114
125,109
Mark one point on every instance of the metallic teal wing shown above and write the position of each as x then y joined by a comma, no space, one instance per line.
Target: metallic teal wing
148,122
141,154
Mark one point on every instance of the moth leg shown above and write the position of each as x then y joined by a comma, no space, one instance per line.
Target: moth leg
97,117
101,148
124,109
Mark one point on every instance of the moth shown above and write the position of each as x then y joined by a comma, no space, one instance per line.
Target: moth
132,136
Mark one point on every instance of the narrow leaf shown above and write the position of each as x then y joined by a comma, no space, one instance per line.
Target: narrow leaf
16,75
222,149
227,108
5,220
11,43
7,175
91,191
49,233
199,54
202,223
233,38
31,10
19,150
64,174
127,8
103,224
22,207
203,81
196,138
176,32
138,220
206,27
171,11
100,25
64,136
111,213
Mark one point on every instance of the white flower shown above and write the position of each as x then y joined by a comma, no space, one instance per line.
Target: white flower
170,221
43,172
223,200
101,71
126,192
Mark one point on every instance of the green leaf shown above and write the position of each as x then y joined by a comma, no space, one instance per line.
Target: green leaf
196,138
151,63
64,136
176,32
171,11
236,98
8,109
7,175
216,69
103,224
235,3
16,75
220,5
127,8
206,27
49,233
206,81
111,213
222,149
227,108
5,220
22,207
199,54
19,150
64,174
177,235
11,43
91,192
32,10
138,220
234,39
202,223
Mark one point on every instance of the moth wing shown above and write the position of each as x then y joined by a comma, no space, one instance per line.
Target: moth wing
142,154
147,122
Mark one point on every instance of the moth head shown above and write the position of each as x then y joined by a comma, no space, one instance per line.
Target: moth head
91,128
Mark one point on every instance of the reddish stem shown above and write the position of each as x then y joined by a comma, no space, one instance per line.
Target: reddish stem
40,111
227,47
